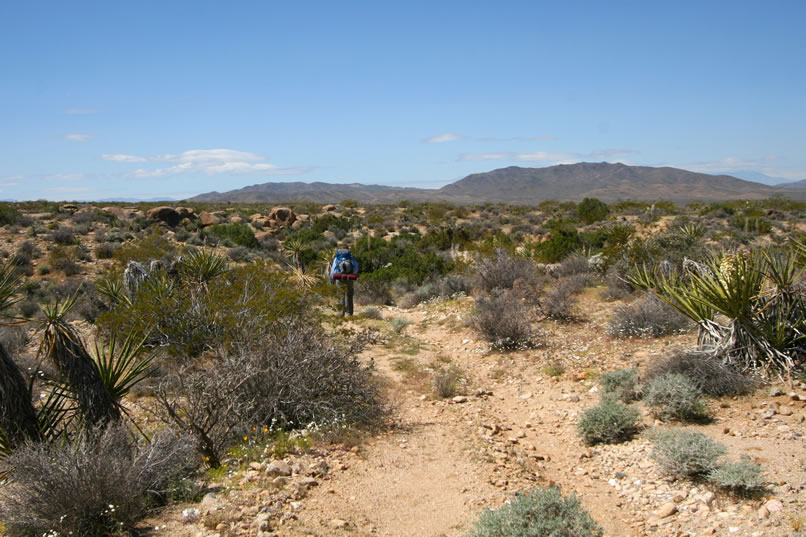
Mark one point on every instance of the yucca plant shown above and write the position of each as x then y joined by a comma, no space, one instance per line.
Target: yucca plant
749,307
203,266
18,421
62,346
293,248
112,289
120,366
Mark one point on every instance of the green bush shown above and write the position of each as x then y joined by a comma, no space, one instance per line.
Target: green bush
560,244
592,210
672,396
741,477
682,453
8,214
540,512
153,246
239,234
621,384
609,422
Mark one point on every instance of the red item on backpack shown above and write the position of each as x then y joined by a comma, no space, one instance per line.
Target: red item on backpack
340,276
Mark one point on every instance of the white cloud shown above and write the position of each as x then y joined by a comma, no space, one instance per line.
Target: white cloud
442,138
206,161
451,137
79,111
542,156
737,164
77,137
122,158
64,176
486,156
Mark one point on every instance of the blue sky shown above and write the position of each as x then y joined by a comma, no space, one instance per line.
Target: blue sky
171,99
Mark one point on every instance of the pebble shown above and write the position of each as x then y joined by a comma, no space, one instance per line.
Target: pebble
338,524
773,506
278,468
459,399
666,510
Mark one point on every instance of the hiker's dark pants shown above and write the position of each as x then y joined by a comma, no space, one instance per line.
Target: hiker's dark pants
347,298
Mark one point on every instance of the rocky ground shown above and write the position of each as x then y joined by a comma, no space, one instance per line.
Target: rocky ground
513,427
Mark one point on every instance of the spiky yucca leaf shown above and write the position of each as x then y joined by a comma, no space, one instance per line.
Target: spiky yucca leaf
202,266
61,345
119,366
114,290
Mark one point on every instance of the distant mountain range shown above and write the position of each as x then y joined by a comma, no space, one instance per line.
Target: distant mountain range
606,181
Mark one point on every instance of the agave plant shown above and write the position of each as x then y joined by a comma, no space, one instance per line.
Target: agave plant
749,307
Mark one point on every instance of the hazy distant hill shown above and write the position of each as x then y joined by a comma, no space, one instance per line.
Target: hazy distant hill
608,182
316,192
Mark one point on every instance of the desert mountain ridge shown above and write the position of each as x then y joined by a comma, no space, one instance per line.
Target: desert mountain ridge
514,184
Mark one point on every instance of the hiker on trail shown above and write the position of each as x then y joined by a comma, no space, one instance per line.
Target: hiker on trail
344,271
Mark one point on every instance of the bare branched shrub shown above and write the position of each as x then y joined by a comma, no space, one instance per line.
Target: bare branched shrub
559,301
706,371
647,318
98,484
373,291
575,263
502,270
290,378
504,319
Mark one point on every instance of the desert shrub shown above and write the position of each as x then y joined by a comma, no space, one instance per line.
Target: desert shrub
542,511
706,371
29,250
373,291
502,269
609,422
8,214
672,396
682,453
13,339
94,485
28,308
504,320
239,254
291,377
617,282
239,234
646,318
560,299
592,210
575,263
142,250
742,477
454,284
562,241
105,250
371,312
447,382
64,236
621,384
65,259
399,324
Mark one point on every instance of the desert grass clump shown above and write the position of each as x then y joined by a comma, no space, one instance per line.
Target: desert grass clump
742,477
672,396
686,454
542,511
448,382
622,384
648,317
610,422
504,320
99,483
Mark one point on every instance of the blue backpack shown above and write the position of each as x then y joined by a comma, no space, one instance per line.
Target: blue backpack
345,263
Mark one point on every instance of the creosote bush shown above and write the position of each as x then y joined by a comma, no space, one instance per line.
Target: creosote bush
98,484
293,376
609,422
683,453
672,396
542,511
504,320
502,269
